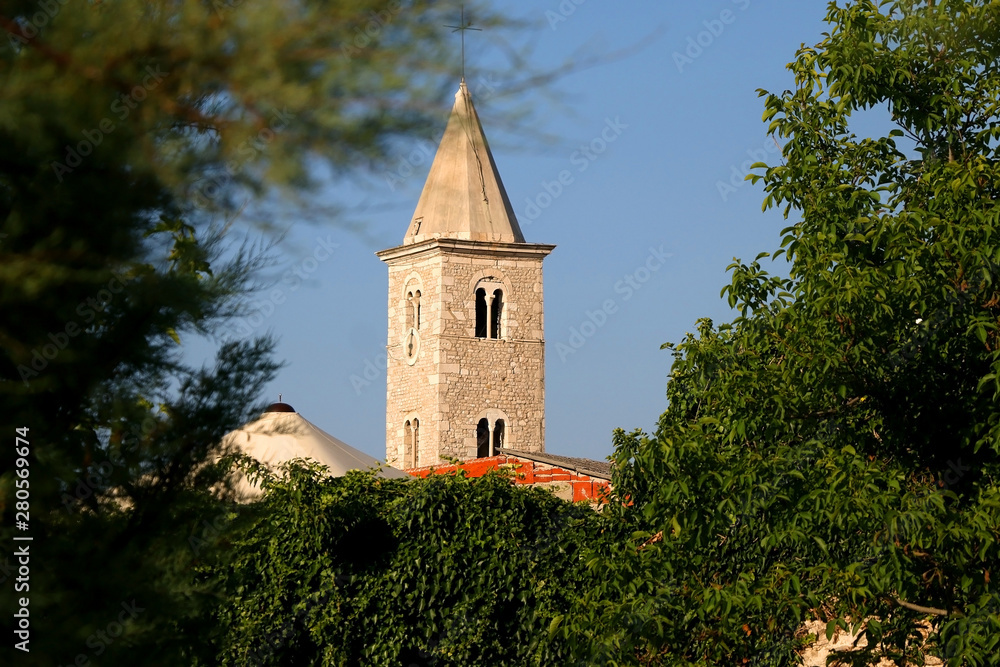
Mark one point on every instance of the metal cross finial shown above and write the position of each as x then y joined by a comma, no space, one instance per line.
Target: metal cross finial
462,27
279,398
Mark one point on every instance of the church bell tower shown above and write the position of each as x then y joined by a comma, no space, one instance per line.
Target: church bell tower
466,346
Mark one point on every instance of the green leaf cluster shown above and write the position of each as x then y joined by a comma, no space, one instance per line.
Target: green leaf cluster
834,452
438,571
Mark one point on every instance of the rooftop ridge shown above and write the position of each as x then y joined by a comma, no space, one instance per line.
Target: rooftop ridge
591,467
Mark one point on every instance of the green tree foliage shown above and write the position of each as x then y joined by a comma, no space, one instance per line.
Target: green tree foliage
834,452
365,571
130,131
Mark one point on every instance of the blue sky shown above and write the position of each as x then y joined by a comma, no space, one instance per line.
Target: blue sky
685,119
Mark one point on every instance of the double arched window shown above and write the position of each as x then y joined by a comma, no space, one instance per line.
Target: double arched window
411,443
413,309
489,311
491,433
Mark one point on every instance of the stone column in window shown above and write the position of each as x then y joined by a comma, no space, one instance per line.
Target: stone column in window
482,321
416,443
496,311
407,453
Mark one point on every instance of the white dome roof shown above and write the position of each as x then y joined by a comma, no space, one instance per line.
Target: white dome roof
277,437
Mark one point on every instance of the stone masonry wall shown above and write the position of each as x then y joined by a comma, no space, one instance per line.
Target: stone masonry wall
408,390
458,378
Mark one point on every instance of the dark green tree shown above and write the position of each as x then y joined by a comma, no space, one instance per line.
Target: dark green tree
130,133
834,452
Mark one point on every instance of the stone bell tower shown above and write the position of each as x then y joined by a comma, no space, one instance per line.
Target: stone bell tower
466,349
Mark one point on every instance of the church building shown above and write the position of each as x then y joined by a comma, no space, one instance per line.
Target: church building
466,347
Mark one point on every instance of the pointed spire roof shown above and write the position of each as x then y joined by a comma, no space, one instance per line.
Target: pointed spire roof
463,197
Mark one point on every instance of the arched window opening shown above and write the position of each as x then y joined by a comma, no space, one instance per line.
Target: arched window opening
498,434
407,443
489,311
481,313
416,443
416,310
410,315
483,438
497,308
